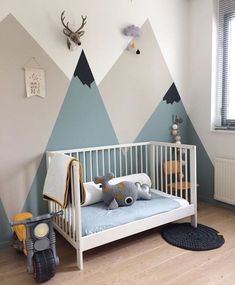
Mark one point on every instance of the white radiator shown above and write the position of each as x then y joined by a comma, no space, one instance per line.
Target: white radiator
225,180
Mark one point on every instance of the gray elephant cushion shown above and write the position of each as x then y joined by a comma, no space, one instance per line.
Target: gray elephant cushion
124,193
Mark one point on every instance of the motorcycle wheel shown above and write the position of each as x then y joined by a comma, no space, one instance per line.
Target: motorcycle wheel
44,265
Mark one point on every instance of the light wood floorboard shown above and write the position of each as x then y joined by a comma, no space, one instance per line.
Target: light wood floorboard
141,259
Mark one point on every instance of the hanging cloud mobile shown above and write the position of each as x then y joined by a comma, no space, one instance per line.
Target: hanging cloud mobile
135,32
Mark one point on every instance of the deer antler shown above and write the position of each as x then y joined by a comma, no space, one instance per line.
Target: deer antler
82,25
62,17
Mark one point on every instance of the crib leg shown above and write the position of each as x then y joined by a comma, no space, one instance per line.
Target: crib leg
79,259
194,220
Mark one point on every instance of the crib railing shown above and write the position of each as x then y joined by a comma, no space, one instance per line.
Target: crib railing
147,157
120,159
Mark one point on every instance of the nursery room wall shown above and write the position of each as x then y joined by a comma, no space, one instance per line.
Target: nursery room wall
77,112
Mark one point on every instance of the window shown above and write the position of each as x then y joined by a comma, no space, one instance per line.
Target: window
226,66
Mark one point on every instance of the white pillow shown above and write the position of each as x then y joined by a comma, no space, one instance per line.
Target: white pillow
142,178
94,191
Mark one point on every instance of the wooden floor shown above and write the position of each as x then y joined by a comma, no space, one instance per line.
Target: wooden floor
141,259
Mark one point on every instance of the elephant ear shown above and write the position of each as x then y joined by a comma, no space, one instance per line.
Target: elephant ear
98,180
113,205
109,176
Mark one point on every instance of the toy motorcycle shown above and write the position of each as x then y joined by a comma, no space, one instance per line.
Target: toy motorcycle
35,237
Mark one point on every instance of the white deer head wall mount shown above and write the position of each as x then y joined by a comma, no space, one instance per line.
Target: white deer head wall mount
73,38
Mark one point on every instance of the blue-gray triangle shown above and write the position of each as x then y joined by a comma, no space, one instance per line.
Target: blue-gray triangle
158,126
82,122
5,228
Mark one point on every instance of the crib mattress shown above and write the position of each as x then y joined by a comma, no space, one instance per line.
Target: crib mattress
96,217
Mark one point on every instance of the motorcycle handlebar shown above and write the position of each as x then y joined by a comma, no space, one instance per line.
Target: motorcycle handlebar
55,214
38,218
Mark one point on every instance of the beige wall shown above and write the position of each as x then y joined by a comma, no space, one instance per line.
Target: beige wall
25,123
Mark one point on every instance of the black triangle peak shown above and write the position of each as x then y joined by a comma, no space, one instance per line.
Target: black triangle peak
83,71
172,95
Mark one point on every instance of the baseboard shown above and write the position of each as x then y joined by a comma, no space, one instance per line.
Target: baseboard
214,202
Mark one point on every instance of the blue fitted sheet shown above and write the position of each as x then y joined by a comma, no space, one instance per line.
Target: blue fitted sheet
96,217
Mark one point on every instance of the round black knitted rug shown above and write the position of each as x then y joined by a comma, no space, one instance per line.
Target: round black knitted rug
185,236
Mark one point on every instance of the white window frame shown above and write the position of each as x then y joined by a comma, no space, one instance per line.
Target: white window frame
225,8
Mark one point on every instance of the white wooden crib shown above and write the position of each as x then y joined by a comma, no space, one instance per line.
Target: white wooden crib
147,157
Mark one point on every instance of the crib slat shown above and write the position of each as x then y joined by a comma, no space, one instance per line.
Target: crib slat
153,166
157,167
166,174
103,166
161,163
64,221
176,180
69,219
97,162
131,155
73,214
181,172
146,159
91,167
141,158
126,153
115,162
109,167
120,161
171,170
186,173
84,167
136,160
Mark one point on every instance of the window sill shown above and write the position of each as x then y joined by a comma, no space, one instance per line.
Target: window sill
223,130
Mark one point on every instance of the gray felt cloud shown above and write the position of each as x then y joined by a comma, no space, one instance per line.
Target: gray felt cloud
132,31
